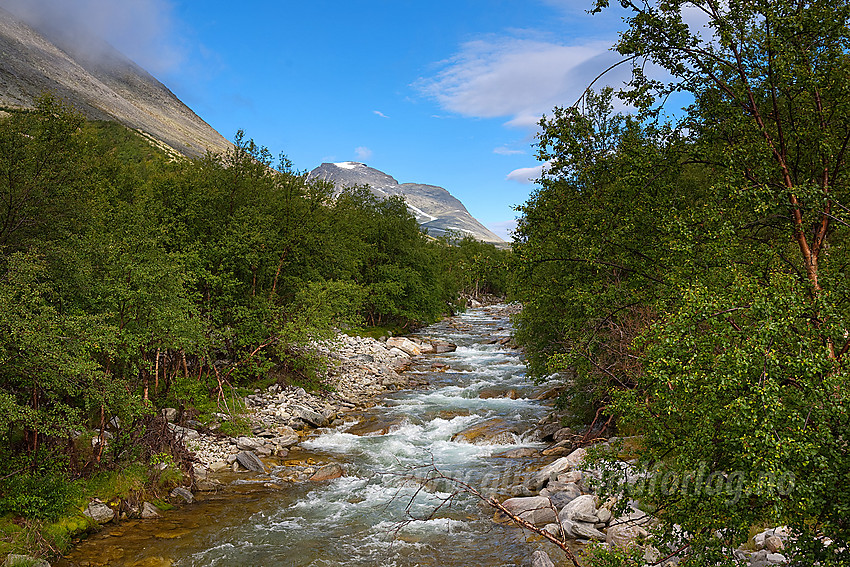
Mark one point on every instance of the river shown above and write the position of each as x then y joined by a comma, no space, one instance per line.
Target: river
376,514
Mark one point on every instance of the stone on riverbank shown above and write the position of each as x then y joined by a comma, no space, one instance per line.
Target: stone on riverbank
149,511
552,470
314,418
581,509
250,461
405,345
15,560
99,512
535,509
182,493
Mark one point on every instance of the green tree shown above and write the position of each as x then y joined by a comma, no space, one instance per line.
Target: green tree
728,230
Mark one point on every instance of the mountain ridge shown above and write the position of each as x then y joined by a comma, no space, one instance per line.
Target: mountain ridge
436,210
102,84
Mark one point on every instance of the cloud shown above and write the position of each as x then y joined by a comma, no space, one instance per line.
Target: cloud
505,151
362,152
379,113
526,175
519,78
503,229
143,30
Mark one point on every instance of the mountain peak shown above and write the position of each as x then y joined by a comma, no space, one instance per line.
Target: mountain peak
435,209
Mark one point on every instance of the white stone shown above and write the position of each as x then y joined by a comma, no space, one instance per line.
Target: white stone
584,506
534,509
541,559
149,511
99,512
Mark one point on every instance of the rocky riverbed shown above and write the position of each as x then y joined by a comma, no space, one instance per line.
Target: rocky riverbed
550,486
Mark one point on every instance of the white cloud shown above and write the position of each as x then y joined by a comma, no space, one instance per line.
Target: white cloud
519,78
363,152
506,151
503,229
143,30
526,175
379,113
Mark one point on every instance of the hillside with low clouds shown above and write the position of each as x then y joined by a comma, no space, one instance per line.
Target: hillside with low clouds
101,83
436,210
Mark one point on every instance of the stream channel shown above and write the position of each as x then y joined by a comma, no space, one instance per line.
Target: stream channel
374,515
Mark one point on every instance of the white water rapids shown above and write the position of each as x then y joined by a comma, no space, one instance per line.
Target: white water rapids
377,515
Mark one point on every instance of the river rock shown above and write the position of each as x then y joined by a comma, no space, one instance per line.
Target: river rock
249,443
404,344
521,453
570,477
541,559
442,347
552,470
250,461
535,509
328,472
583,530
208,485
582,507
427,348
149,511
99,512
562,497
494,431
182,493
15,560
563,434
520,490
287,437
314,418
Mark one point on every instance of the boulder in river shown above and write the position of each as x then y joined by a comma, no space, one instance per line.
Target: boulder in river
328,472
583,530
249,443
250,461
520,453
442,347
182,493
541,559
494,431
581,509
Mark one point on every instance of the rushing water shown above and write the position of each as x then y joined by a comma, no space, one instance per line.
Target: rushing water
376,514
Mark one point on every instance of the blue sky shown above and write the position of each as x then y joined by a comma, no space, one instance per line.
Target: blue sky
441,92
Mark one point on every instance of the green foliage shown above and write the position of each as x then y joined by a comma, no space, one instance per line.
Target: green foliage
600,555
41,492
693,275
132,279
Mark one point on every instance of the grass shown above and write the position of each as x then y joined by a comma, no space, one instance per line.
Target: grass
42,538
